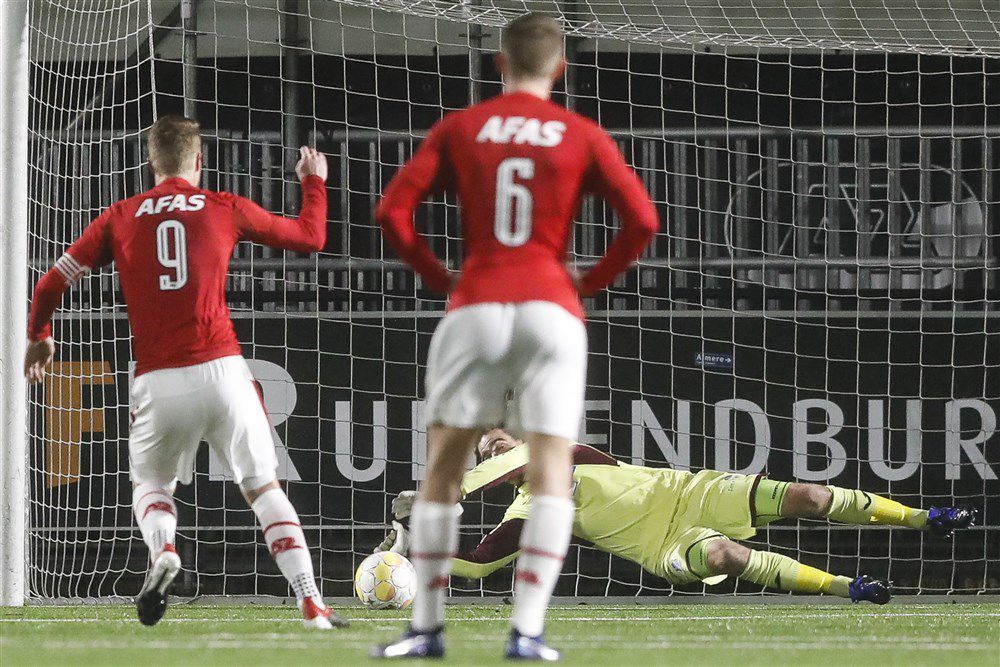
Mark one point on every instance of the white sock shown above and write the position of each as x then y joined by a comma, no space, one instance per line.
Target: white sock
544,541
287,542
433,541
156,515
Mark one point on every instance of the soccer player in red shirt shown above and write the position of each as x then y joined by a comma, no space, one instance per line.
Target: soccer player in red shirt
171,246
520,165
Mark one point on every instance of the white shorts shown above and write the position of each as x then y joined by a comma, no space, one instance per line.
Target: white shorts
537,351
174,409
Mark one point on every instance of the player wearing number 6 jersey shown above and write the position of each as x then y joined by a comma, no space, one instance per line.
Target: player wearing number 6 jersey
519,164
171,246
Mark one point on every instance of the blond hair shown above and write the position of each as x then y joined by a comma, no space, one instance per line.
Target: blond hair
174,143
533,44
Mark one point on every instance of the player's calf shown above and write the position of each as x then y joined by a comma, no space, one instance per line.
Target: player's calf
434,523
287,544
156,515
712,557
812,501
546,534
861,508
721,556
802,501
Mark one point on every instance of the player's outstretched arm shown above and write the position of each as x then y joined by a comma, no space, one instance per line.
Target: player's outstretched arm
87,252
496,549
425,174
41,346
614,180
307,232
495,471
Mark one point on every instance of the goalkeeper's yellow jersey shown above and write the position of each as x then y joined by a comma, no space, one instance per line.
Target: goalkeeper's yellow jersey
630,511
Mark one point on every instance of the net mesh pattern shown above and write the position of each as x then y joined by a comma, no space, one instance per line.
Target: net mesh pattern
820,303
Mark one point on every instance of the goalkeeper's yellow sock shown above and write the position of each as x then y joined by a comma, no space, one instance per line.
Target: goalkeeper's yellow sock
861,507
777,571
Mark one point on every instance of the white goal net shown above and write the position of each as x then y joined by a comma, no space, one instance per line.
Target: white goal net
820,303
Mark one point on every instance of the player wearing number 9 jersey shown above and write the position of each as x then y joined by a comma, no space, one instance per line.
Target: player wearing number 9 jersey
171,246
520,165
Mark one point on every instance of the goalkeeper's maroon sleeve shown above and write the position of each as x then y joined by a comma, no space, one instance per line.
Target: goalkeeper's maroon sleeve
613,179
501,545
587,455
495,550
425,174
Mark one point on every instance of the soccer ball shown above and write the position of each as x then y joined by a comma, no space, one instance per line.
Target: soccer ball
385,580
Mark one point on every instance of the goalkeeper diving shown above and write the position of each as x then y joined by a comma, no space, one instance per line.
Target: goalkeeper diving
680,525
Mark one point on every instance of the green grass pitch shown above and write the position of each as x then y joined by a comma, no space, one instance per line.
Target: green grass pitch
674,634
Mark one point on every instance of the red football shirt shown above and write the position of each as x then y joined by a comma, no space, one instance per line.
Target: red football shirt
171,247
520,166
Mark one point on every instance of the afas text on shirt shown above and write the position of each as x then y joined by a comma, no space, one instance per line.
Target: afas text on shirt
170,203
521,130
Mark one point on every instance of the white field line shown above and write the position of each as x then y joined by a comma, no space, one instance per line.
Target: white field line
503,617
573,639
687,644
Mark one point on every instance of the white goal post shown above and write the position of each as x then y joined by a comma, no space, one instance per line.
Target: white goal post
821,302
13,278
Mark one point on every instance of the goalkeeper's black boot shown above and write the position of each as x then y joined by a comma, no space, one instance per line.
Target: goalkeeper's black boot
413,645
943,521
521,647
870,590
151,603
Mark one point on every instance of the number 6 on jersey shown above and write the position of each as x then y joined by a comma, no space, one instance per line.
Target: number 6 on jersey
172,254
513,227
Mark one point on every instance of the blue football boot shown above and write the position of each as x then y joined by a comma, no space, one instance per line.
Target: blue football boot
944,521
871,590
413,644
521,647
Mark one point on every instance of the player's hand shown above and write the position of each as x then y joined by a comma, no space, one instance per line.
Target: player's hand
38,355
397,541
311,163
402,505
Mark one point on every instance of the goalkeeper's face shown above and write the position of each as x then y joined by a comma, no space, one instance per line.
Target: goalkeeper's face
496,442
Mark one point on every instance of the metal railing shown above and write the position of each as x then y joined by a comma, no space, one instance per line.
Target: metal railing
750,216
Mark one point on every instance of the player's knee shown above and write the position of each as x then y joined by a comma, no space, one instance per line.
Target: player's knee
725,557
168,485
807,500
